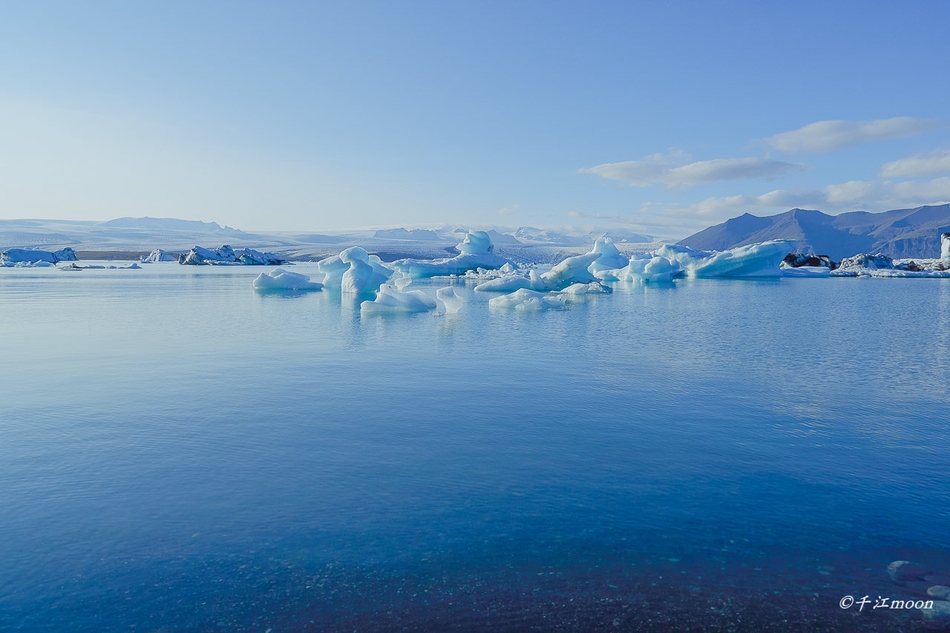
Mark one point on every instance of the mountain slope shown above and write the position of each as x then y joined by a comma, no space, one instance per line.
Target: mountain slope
897,233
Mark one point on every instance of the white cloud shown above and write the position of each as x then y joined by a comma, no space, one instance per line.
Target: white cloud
673,172
828,136
918,166
508,210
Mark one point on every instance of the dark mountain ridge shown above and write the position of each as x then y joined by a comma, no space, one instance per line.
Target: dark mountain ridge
898,233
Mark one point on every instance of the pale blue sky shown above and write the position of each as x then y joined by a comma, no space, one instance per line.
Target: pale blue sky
664,117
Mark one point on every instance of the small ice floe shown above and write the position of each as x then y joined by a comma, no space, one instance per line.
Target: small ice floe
158,255
25,257
354,271
865,265
132,266
451,301
279,280
528,301
475,251
390,300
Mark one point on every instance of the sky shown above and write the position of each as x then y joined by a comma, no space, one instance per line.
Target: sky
659,117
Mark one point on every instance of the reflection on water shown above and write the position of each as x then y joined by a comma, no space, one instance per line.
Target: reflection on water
178,451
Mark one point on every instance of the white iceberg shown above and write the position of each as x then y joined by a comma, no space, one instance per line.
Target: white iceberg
226,255
158,255
610,260
528,301
280,280
513,281
389,300
945,247
451,300
754,260
805,271
572,270
475,251
14,256
366,272
650,269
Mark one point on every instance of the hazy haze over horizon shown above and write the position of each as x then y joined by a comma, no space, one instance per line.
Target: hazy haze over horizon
660,118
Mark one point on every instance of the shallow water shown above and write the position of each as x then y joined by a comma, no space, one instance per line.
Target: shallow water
180,453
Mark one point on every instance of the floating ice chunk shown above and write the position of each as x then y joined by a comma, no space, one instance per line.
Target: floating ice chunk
389,300
805,271
512,282
649,269
754,260
158,255
364,274
16,256
281,280
578,290
528,301
570,271
452,300
354,271
402,283
332,268
610,258
226,255
475,251
945,247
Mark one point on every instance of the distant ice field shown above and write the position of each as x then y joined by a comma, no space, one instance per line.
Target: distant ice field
181,453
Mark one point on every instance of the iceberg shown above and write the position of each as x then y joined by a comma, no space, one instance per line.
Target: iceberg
390,300
475,251
650,269
528,301
611,259
451,300
512,282
945,247
805,271
754,260
158,255
279,280
364,274
354,271
15,256
226,255
572,270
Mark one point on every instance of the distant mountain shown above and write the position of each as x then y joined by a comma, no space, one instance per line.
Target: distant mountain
898,233
167,224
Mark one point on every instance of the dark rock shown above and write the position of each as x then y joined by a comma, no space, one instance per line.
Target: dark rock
903,572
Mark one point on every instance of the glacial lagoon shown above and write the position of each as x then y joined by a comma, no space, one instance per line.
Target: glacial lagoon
181,453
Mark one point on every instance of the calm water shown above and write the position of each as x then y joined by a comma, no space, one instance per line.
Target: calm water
179,453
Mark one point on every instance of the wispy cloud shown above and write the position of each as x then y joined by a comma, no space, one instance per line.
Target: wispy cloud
672,171
822,137
918,166
508,210
837,198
